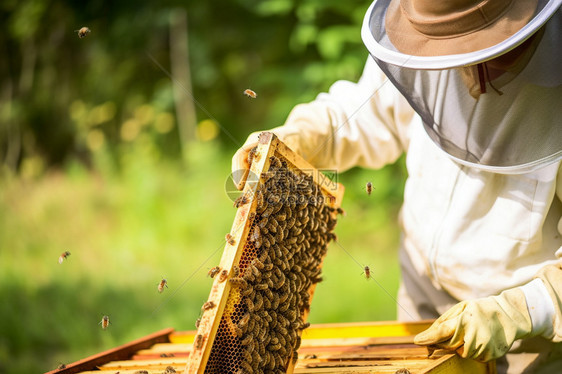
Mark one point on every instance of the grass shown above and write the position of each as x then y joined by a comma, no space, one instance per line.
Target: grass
126,229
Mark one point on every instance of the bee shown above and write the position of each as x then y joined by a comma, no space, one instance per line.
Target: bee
199,341
141,372
208,305
290,314
259,302
235,271
247,340
104,322
402,371
214,271
63,256
170,370
229,239
367,272
256,234
246,291
251,155
241,200
250,93
249,304
257,264
295,357
238,282
261,286
61,366
310,357
275,162
163,283
369,188
247,367
244,320
197,323
223,275
83,32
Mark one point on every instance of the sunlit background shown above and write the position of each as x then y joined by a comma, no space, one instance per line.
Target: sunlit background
116,147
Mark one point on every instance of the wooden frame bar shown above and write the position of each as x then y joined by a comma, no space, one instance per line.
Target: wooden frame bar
122,352
268,146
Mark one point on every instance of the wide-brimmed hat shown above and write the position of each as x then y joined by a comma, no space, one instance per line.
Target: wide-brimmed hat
430,34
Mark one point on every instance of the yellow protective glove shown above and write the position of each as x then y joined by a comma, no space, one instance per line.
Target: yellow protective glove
240,165
482,329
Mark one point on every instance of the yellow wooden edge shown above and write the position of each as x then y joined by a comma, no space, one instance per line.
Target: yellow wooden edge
339,330
183,337
144,363
370,329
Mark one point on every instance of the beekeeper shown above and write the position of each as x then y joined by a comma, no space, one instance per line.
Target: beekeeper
471,90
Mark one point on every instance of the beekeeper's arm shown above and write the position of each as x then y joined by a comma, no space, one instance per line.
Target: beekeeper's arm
485,329
354,124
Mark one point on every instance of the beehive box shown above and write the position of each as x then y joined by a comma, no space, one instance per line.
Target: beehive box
345,348
263,286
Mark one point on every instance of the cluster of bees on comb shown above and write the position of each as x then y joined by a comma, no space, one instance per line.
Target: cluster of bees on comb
259,331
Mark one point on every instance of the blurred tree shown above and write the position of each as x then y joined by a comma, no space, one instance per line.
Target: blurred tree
63,97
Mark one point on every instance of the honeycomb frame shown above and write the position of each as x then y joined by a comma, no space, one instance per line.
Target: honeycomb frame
232,294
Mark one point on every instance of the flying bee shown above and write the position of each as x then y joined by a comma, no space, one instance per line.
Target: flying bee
367,272
369,188
229,239
63,256
83,32
104,322
163,283
250,93
214,271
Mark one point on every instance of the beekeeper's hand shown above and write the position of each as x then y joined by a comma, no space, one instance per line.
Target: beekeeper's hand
240,165
484,329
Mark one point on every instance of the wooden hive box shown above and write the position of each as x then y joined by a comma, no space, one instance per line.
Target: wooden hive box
369,347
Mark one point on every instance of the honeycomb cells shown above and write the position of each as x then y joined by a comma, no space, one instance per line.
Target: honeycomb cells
259,331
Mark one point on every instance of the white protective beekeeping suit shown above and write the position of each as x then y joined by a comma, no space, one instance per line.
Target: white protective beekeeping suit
482,207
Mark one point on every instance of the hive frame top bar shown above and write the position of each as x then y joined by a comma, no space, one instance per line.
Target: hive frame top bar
268,145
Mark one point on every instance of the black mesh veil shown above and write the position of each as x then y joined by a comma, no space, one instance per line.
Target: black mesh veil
515,132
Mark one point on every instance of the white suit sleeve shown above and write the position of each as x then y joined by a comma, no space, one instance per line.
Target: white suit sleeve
544,293
355,124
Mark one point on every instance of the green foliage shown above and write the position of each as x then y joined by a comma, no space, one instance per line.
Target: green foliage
91,162
62,96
